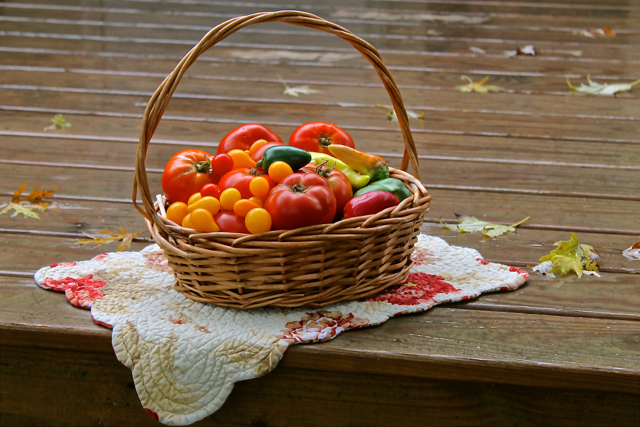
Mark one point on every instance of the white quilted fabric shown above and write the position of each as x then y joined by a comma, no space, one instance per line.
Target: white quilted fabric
186,356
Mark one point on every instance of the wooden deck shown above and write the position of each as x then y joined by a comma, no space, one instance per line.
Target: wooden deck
562,351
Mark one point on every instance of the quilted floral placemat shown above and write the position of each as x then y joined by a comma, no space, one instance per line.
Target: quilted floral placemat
186,356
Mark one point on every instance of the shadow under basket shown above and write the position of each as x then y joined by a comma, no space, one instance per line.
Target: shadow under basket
311,266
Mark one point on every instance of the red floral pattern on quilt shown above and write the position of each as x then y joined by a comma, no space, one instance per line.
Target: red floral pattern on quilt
420,288
80,292
320,326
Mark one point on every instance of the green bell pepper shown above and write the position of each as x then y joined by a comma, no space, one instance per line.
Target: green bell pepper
390,185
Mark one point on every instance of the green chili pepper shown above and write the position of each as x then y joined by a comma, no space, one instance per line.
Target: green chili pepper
390,185
357,181
293,156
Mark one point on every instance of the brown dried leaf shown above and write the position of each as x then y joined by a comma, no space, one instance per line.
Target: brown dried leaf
604,32
125,236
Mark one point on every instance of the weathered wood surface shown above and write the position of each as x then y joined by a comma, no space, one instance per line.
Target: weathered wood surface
559,351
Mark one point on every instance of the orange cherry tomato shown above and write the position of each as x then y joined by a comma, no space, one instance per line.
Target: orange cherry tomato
242,207
209,203
241,159
258,220
256,145
177,211
194,198
279,171
256,200
202,221
229,197
186,222
259,187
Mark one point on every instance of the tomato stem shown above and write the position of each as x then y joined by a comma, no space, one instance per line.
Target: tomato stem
299,188
324,140
204,166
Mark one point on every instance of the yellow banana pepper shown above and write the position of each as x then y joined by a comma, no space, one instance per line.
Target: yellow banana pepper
357,181
366,163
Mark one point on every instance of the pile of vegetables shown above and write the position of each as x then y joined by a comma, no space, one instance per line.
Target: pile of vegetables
255,183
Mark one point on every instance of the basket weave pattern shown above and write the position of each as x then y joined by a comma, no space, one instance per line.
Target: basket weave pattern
312,266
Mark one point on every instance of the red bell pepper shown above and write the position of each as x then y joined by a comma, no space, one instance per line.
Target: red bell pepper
369,203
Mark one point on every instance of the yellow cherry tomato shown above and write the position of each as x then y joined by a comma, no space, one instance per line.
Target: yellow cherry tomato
258,220
259,187
209,203
241,159
242,207
279,170
256,145
177,211
257,201
186,222
228,198
202,221
194,198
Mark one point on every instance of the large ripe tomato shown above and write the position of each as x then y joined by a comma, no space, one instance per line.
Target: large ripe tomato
241,178
186,172
243,136
339,182
229,222
301,200
317,136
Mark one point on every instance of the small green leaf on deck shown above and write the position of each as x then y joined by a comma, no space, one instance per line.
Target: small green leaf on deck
477,86
569,256
391,113
602,89
296,90
58,123
470,224
124,236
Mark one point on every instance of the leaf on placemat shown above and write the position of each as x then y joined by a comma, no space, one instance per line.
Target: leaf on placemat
58,123
391,113
296,90
477,86
471,224
633,252
25,205
602,89
569,256
124,236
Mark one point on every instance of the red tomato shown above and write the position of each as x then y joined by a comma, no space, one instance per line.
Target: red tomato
240,179
186,173
243,136
260,151
221,164
230,222
369,203
301,200
210,190
317,136
339,182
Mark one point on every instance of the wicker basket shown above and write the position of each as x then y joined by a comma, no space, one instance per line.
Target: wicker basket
312,266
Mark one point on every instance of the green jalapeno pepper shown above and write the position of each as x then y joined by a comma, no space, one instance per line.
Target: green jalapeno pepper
390,185
293,156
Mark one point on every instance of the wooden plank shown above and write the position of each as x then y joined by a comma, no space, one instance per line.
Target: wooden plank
348,398
473,345
410,43
573,110
228,49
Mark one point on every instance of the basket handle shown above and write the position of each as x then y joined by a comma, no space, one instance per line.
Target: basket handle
160,99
